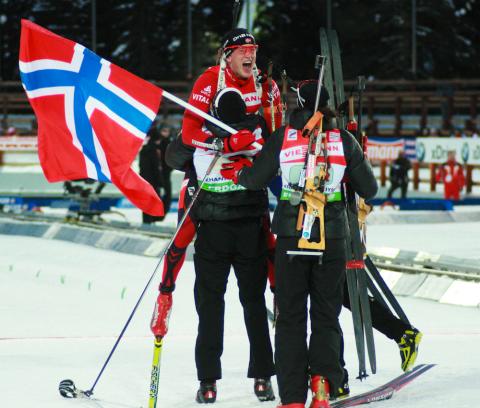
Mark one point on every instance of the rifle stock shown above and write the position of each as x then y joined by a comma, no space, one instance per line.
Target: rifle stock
315,206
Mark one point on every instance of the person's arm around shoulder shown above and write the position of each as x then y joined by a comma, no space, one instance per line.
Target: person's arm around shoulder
266,165
359,171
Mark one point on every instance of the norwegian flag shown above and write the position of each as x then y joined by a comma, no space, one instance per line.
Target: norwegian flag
92,115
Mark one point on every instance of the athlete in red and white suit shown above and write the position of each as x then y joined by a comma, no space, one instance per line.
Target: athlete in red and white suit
451,174
239,74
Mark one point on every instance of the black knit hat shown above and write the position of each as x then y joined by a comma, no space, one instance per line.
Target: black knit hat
228,106
307,94
236,38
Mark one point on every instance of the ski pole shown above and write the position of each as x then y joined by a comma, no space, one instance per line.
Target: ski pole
67,387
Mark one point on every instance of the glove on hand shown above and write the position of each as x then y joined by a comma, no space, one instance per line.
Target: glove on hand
161,314
232,169
238,141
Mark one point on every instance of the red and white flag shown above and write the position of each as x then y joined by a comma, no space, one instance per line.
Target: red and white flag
92,115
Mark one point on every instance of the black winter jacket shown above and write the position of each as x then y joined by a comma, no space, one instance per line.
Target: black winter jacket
267,164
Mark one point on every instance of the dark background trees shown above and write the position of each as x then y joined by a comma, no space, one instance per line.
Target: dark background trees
149,37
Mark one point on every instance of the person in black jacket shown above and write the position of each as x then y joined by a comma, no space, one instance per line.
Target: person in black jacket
298,277
150,167
399,175
229,222
230,234
166,138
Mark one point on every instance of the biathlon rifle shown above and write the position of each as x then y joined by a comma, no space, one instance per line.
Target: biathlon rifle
313,175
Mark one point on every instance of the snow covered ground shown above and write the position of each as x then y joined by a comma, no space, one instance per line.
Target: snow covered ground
460,239
63,305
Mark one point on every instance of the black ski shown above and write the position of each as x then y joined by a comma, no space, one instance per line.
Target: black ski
385,391
358,245
357,318
367,318
351,273
356,276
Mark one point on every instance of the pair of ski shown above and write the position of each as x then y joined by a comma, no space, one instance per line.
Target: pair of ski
362,275
385,391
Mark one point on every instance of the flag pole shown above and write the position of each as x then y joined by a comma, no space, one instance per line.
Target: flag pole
199,112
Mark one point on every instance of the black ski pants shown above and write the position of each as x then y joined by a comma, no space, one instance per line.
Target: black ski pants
220,245
395,184
297,279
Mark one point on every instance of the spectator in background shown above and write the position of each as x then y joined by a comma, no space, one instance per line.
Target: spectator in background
451,174
473,135
470,129
166,137
11,131
399,175
423,132
457,134
34,127
372,128
154,169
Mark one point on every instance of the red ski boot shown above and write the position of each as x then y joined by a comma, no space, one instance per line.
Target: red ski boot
321,392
